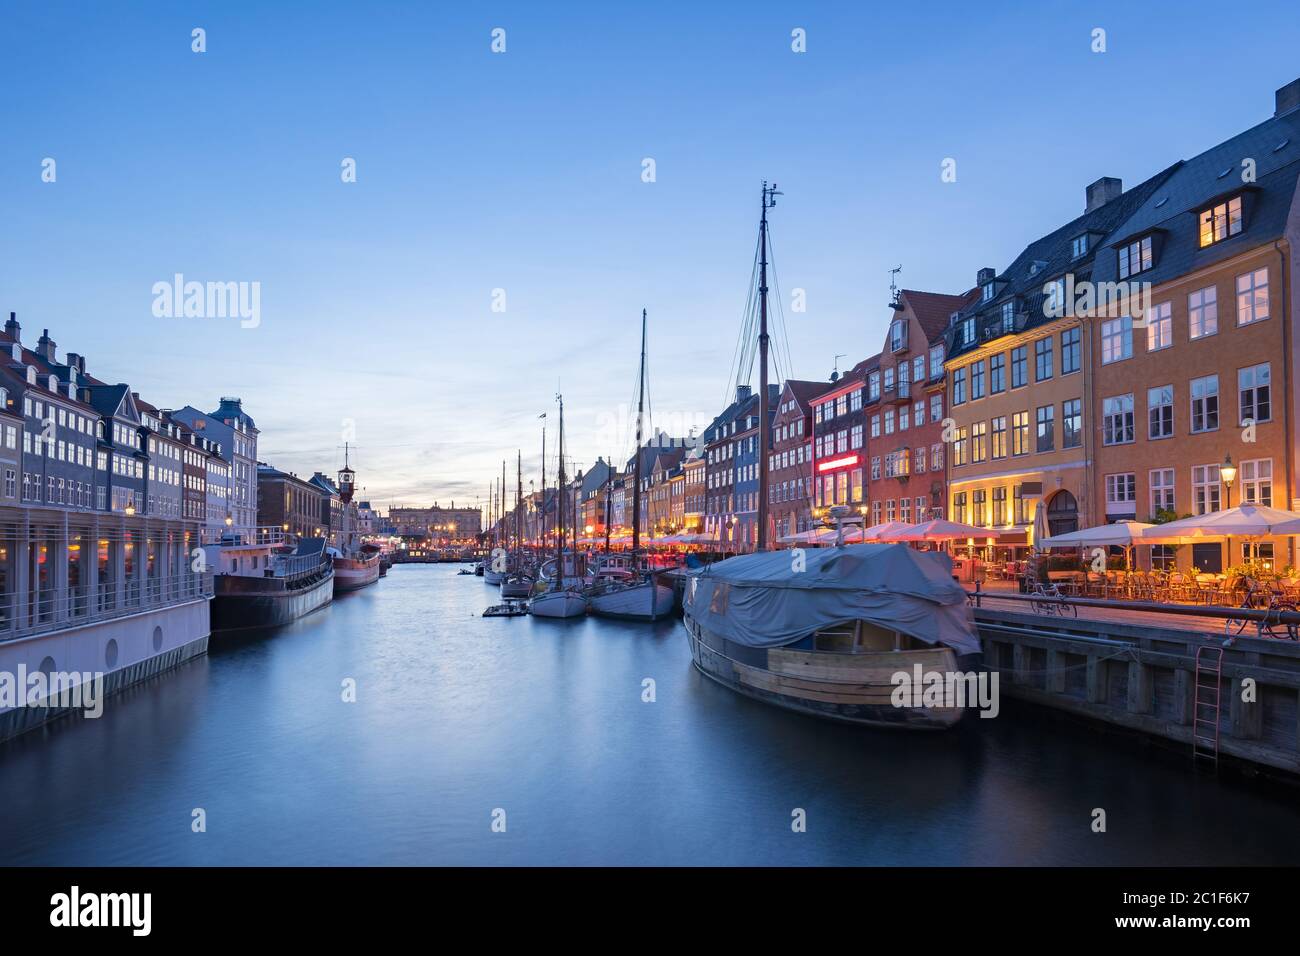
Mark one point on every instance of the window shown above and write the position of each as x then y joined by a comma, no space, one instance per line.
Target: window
997,373
1000,437
855,401
1079,246
897,336
1116,339
1046,428
959,386
1072,423
978,513
1019,512
1042,360
875,426
968,331
873,386
979,441
918,458
1253,393
1135,257
904,418
1019,366
988,292
1162,490
1252,297
959,507
1203,312
1009,315
905,509
1070,339
936,408
875,468
1160,327
977,380
1020,433
1205,403
1121,495
936,457
1256,482
1205,489
889,421
918,414
1117,420
1160,412
959,448
1221,221
918,369
855,440
936,361
999,505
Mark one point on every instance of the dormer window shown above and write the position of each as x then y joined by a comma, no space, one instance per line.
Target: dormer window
1008,314
968,331
1135,257
31,375
989,291
1079,246
54,384
1221,221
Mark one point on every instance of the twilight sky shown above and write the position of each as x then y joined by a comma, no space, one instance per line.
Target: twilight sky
522,171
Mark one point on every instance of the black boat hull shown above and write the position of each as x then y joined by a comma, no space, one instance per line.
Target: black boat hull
243,609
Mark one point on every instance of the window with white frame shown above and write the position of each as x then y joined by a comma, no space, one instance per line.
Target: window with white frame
1220,221
1257,482
1116,339
1203,312
1117,420
1205,489
1160,412
1205,403
1252,297
1254,393
1135,257
1121,494
1161,481
936,361
1160,326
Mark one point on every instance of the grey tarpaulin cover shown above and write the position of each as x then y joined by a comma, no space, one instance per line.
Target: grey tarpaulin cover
759,600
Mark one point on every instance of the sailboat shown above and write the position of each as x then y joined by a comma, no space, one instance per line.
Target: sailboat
558,600
494,565
518,582
642,598
830,634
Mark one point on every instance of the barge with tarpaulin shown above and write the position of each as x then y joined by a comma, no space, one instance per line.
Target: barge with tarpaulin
827,632
267,583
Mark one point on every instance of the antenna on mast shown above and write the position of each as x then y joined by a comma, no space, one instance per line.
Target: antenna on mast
893,286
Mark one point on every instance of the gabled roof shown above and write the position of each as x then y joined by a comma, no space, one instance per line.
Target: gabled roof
112,401
804,391
934,309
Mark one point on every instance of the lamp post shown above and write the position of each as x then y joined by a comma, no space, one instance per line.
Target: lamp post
1228,472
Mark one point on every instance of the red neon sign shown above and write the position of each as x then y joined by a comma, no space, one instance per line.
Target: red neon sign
837,462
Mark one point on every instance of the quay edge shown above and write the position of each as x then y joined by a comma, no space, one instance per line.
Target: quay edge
1142,679
148,642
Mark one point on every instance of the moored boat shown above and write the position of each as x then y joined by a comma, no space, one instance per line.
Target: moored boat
262,585
839,637
355,572
643,600
557,600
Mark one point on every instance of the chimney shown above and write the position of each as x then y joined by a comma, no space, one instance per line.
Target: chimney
743,392
1287,98
45,346
985,275
12,328
1102,192
78,361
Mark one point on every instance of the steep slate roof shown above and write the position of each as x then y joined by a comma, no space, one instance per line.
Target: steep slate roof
1215,174
107,399
1048,258
804,391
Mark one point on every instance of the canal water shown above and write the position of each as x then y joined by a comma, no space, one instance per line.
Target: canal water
458,717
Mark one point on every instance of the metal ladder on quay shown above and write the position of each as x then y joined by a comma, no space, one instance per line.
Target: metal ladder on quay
1206,695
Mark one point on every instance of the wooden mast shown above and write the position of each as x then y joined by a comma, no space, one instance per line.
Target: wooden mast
636,466
764,426
559,504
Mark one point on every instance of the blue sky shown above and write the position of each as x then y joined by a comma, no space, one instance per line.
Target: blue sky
522,171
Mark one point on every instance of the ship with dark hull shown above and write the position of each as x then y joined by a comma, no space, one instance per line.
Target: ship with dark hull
267,585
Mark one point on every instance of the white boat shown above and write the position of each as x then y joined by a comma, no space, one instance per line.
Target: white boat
631,601
565,602
516,586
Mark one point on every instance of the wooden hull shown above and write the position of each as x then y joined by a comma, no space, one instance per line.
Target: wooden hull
640,602
851,688
239,604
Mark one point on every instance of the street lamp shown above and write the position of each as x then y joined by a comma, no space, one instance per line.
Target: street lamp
1228,472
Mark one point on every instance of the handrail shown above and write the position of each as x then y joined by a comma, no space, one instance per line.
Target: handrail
1260,615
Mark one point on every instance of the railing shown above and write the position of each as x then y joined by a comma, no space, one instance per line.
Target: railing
79,605
1263,618
236,536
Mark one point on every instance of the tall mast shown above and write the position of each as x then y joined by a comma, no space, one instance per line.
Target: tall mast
559,504
609,488
636,466
505,528
519,499
764,426
542,523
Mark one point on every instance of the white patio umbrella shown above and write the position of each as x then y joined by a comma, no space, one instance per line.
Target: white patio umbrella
886,531
1243,521
941,529
1120,534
